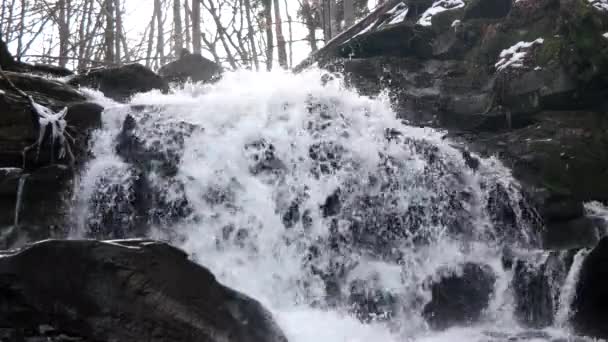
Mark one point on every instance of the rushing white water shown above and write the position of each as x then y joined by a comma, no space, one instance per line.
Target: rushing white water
19,198
314,200
568,291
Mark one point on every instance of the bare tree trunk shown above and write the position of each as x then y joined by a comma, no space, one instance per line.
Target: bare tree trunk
118,34
278,23
160,36
109,32
333,20
290,25
150,41
21,30
188,28
178,42
349,13
250,33
310,25
269,35
196,26
64,33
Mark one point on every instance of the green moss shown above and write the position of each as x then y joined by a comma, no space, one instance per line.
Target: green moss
550,51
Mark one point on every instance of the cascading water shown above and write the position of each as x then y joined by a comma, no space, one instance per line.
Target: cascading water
316,201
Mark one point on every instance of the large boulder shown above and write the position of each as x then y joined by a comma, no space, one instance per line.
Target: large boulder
590,306
128,290
459,297
37,177
193,67
121,83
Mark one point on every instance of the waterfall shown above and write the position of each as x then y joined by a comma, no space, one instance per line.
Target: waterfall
316,201
19,199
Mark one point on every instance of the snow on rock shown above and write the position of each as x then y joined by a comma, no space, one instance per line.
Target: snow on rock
399,13
605,35
513,57
47,117
601,5
2,92
438,7
456,23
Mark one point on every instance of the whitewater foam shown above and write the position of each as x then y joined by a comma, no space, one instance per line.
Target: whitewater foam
291,188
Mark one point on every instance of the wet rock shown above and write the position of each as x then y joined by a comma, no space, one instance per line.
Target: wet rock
534,278
562,209
263,158
193,67
545,119
370,303
459,298
121,83
590,306
490,9
162,154
19,125
574,234
123,291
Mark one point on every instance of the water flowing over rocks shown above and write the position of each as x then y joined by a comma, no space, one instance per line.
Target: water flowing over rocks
590,305
319,194
130,290
545,116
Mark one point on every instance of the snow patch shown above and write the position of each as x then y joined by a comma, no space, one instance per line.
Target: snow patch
605,35
400,14
47,117
2,92
601,5
456,23
438,7
513,57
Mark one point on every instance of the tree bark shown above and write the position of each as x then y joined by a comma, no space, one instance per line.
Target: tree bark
187,22
118,34
278,24
250,34
178,42
269,35
150,41
196,26
349,13
109,32
160,35
307,14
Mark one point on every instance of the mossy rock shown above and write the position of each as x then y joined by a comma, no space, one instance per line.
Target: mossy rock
550,51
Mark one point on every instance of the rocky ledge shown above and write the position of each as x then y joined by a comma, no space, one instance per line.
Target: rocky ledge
122,290
524,80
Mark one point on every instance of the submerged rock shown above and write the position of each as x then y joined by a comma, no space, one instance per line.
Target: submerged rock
590,306
128,290
459,298
120,83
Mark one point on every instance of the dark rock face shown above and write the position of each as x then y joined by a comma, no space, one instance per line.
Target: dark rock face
535,284
192,67
44,173
123,291
590,306
120,83
460,298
